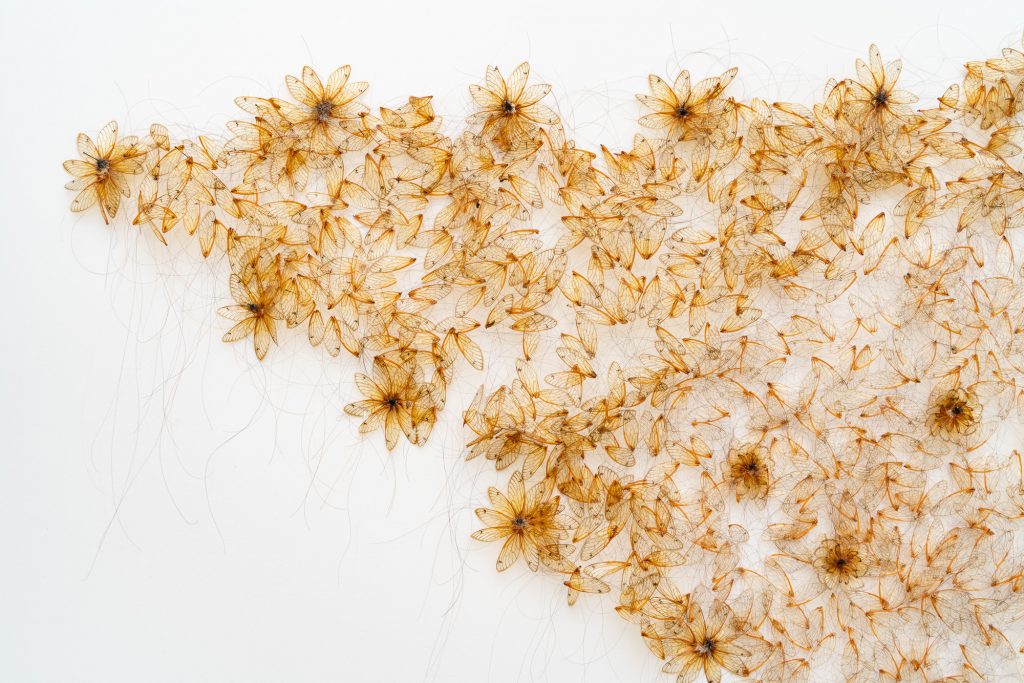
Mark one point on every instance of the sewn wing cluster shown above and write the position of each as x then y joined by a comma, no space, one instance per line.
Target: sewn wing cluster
780,419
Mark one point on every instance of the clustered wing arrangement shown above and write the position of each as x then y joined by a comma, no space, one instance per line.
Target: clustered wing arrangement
780,426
